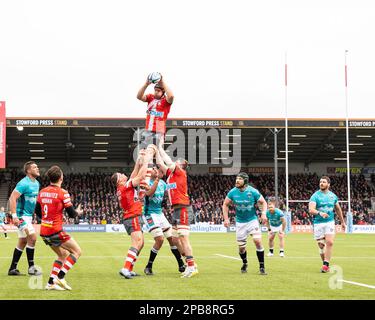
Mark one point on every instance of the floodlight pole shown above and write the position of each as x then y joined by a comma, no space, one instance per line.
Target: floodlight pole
276,170
138,139
275,132
286,137
68,149
347,134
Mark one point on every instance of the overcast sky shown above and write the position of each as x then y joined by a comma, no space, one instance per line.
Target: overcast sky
221,58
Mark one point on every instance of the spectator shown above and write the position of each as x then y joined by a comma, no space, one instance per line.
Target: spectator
207,192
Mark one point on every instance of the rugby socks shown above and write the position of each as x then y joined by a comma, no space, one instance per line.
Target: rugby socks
326,263
6,235
190,261
68,264
131,257
30,255
133,263
177,255
281,250
16,257
260,255
271,250
153,254
244,257
55,271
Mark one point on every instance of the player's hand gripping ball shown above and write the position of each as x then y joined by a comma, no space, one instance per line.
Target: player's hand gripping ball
154,77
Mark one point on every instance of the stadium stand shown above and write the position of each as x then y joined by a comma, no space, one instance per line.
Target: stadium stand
207,192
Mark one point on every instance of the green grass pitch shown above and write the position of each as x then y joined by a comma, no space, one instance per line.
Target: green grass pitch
297,276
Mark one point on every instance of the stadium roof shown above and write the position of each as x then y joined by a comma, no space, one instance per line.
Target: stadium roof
81,144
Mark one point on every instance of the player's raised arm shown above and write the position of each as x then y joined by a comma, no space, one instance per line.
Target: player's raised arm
141,173
144,160
263,203
165,157
137,165
135,170
13,206
141,93
226,205
168,92
340,214
160,162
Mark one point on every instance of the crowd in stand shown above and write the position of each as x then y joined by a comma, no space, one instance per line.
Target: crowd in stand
210,190
207,192
95,193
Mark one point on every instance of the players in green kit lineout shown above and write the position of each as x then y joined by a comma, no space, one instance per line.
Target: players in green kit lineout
276,223
22,203
322,205
157,224
244,198
2,222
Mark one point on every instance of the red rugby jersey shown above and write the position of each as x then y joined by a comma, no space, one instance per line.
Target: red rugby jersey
129,200
177,186
53,200
157,114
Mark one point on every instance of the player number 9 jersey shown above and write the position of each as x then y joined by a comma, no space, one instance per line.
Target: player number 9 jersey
53,200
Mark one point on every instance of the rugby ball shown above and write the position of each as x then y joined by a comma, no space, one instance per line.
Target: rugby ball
154,77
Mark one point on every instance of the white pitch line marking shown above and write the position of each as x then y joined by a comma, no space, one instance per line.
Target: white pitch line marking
301,257
357,284
229,257
346,281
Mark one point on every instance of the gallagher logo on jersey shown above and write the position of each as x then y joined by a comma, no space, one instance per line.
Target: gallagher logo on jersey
171,186
155,113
